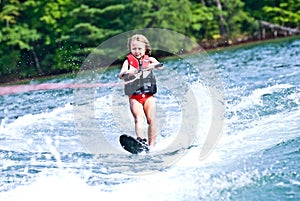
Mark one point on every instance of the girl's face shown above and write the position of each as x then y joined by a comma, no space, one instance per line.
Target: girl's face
137,49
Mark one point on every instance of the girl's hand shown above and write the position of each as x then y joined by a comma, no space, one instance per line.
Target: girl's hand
129,74
152,66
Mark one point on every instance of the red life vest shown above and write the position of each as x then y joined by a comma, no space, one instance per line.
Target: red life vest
146,85
135,62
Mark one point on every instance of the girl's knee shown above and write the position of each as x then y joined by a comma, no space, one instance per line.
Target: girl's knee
150,120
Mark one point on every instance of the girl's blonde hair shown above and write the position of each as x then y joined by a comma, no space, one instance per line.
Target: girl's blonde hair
141,38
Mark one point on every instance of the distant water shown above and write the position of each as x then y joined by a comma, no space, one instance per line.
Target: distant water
256,158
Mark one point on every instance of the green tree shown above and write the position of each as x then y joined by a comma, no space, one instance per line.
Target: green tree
238,21
51,19
203,25
221,19
160,14
287,13
17,39
45,37
281,12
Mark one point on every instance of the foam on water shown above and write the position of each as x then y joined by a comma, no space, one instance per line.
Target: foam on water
201,180
57,186
255,98
29,132
58,114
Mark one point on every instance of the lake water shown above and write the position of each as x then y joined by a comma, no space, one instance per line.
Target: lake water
63,144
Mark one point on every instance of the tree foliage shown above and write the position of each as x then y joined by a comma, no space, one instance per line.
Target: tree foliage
40,37
287,13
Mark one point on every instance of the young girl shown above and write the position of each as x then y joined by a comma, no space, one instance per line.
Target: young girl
137,69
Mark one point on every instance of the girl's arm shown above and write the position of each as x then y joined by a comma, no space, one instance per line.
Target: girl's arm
154,64
124,69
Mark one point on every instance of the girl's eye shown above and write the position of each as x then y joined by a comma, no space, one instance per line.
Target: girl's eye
137,49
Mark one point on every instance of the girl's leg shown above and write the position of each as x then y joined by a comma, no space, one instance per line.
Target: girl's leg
150,111
138,115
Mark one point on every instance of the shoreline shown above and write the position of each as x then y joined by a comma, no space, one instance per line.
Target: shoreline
16,81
